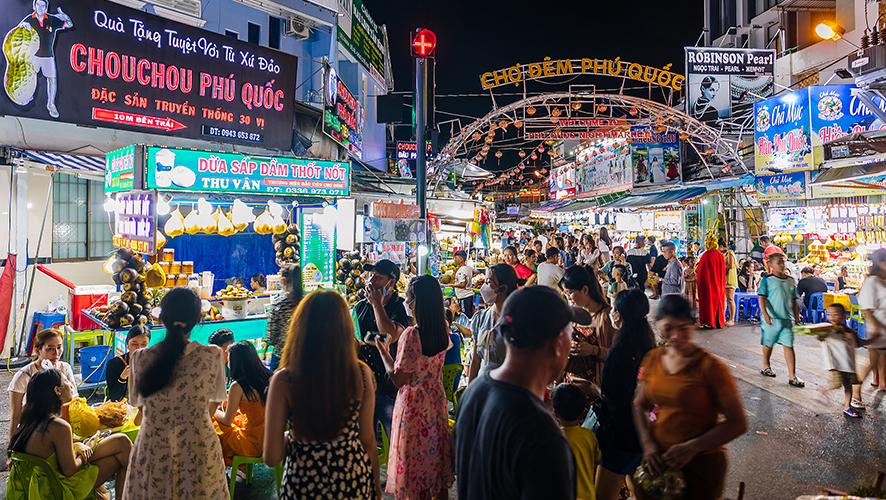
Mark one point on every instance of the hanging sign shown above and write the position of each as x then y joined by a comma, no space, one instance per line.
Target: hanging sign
101,64
363,38
171,169
790,186
342,115
839,189
668,221
724,82
317,250
791,219
655,157
837,113
135,221
382,229
584,66
782,138
395,210
603,168
392,251
124,170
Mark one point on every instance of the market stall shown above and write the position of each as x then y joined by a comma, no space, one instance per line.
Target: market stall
188,218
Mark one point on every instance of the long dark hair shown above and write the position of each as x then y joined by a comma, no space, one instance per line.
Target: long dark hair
429,316
43,404
675,306
320,357
292,274
248,370
180,312
633,306
506,276
577,277
604,235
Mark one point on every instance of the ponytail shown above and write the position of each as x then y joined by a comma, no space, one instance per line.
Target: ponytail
180,311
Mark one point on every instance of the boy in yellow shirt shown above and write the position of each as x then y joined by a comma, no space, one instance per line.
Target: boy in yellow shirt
569,407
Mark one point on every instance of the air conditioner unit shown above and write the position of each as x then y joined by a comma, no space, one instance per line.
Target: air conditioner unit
297,27
190,7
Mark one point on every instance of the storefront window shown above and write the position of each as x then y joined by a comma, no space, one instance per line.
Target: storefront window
80,225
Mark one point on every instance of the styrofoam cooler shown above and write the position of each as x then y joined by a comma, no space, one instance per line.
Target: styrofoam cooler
86,297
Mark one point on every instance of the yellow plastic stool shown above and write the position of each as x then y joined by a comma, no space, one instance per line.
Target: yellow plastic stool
237,461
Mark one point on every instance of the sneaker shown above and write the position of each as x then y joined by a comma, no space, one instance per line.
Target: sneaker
855,403
53,111
850,412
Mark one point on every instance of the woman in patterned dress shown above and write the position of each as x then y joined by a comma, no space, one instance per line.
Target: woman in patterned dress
327,397
591,343
176,384
421,464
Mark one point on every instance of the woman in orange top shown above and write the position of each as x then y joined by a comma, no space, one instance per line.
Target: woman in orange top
240,420
692,388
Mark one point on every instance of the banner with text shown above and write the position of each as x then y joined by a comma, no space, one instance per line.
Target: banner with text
791,186
724,82
782,138
364,39
101,64
170,169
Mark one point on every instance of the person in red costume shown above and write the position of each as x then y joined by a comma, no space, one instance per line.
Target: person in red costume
711,290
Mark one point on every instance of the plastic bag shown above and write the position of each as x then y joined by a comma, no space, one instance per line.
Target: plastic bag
241,215
192,222
264,223
225,227
84,419
175,226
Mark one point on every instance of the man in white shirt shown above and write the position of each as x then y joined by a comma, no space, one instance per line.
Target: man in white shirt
464,290
549,273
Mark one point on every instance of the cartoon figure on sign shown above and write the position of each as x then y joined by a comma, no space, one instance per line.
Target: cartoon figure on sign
30,48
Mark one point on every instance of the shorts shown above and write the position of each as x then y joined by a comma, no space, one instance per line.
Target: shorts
844,378
621,462
779,332
45,65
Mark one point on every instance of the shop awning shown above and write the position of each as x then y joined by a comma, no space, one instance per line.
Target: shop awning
551,205
577,206
69,162
874,166
657,199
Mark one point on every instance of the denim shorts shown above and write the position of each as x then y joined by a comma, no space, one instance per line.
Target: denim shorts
621,462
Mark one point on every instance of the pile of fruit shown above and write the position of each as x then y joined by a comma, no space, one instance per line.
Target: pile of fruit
670,484
234,292
350,274
210,312
288,245
447,273
136,278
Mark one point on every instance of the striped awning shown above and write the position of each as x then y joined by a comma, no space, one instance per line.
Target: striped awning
69,162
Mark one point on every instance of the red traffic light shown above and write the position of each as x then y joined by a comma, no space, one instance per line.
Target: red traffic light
423,43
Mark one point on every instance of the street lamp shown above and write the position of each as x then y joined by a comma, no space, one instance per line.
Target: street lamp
829,30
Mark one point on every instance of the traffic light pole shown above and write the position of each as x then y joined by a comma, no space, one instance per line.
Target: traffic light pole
421,170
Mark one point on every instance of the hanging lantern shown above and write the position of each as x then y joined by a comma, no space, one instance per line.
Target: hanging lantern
476,136
533,156
633,111
518,123
541,149
543,171
485,148
576,106
522,166
709,151
556,112
520,177
489,140
602,108
549,142
472,161
684,136
530,111
521,154
511,183
491,133
498,154
503,125
492,126
555,120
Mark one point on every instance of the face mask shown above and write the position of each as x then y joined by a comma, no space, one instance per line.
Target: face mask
409,311
488,294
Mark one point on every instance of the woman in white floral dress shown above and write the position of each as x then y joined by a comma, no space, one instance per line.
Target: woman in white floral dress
177,384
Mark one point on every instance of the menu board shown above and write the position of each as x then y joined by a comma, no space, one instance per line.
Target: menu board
135,224
787,219
123,169
317,250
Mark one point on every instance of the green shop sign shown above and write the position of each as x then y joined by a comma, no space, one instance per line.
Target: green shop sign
120,170
364,39
317,250
170,169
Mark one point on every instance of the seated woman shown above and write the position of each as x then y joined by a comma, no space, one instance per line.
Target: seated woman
223,338
80,468
259,283
117,374
240,420
49,347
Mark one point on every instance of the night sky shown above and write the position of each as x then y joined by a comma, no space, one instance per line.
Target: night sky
477,36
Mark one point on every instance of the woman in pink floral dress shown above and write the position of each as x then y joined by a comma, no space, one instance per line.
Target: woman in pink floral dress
422,460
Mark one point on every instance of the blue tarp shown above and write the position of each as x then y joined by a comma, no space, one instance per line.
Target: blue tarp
656,199
242,254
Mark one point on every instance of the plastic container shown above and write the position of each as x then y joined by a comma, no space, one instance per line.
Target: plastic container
181,280
94,362
175,268
165,266
234,308
188,267
168,255
170,281
87,297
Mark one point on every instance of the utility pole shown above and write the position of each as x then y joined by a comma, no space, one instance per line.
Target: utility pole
423,44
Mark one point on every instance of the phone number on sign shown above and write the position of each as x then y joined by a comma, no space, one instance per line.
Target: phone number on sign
306,190
232,134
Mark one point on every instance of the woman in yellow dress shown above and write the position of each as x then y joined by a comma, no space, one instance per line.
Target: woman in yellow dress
240,419
731,279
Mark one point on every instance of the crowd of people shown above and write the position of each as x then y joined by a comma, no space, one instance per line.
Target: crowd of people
563,379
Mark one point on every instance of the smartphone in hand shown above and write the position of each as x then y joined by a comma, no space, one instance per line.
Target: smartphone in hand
372,336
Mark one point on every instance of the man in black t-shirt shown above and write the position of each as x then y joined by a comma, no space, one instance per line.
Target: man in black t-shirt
809,285
47,26
382,311
508,444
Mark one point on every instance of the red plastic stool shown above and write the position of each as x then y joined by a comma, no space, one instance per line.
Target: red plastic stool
42,321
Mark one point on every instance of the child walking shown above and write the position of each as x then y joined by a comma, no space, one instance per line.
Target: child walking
690,282
569,408
840,355
618,283
778,305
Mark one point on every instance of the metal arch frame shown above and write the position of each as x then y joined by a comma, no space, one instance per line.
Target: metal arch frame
727,150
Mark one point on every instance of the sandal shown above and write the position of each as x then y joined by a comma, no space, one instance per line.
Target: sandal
850,412
796,382
768,372
857,404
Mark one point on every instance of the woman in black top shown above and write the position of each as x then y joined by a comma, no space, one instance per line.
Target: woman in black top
117,374
746,280
621,448
841,279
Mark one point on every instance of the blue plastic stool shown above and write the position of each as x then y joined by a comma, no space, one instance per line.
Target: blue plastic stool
42,321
